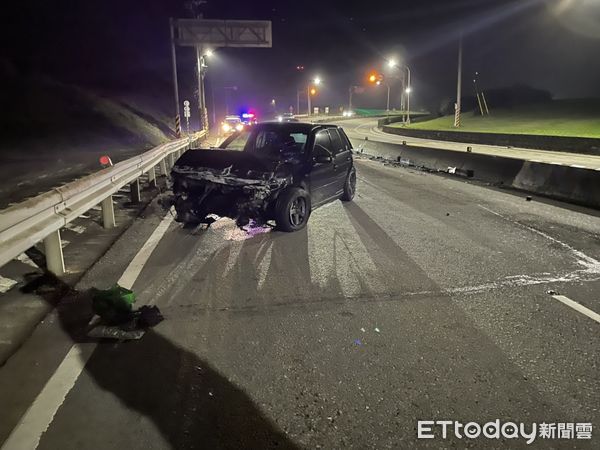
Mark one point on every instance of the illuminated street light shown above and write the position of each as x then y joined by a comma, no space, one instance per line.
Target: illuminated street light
311,90
392,63
208,53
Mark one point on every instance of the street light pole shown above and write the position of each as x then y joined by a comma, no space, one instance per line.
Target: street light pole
175,85
458,83
201,97
388,100
350,99
308,98
408,90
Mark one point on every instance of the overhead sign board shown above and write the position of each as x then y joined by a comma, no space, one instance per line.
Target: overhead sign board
223,33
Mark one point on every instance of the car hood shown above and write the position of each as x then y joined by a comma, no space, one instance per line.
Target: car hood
232,167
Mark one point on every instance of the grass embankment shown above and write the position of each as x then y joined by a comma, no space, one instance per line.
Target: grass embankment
573,118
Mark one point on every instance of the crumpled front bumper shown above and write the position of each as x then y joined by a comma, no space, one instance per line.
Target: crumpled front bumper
198,193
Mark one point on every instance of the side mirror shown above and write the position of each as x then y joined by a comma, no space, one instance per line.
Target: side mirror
323,159
321,155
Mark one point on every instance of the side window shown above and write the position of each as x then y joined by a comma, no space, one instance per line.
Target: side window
322,143
337,145
345,140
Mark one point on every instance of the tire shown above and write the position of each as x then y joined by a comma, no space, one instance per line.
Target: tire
292,209
349,186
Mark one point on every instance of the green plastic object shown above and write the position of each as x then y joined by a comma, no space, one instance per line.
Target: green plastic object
114,305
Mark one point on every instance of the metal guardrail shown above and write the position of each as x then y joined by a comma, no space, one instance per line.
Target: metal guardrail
40,218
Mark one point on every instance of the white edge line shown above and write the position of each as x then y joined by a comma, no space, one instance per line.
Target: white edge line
577,307
137,263
40,414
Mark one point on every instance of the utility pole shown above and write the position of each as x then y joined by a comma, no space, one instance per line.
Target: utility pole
350,99
458,83
388,100
175,85
201,97
308,98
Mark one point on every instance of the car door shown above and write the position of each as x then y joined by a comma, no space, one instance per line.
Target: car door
342,159
323,175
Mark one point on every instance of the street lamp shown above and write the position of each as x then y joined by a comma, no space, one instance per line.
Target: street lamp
311,90
393,64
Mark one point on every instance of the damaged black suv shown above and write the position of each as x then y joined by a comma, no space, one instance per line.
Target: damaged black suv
274,171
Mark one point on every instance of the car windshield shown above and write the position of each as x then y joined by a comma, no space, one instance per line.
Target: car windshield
268,141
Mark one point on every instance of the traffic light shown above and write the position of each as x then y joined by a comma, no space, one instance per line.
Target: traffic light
375,78
313,91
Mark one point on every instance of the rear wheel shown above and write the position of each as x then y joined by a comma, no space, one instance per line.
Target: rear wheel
292,210
349,186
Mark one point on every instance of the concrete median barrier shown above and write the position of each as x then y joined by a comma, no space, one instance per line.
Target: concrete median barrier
571,184
587,146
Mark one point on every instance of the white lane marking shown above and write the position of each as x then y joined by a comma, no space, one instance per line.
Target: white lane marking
39,416
577,307
591,265
79,229
137,263
6,284
27,260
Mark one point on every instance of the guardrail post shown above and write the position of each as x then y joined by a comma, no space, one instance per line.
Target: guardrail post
55,262
152,176
108,213
163,167
134,189
171,159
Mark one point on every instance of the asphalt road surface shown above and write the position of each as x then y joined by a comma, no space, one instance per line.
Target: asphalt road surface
358,129
424,299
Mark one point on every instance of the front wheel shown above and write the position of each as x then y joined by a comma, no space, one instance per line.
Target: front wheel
349,186
292,210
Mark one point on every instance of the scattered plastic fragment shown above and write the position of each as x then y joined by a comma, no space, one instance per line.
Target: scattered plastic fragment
451,169
376,330
551,292
362,329
115,318
357,342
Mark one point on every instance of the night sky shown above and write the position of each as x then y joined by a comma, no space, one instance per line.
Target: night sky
119,45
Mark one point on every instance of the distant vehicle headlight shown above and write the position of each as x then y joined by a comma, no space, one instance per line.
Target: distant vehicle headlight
279,118
226,127
239,127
